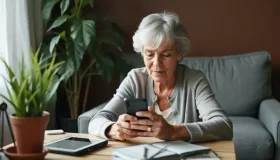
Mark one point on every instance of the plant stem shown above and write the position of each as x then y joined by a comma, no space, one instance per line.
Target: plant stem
92,74
71,94
79,86
89,67
79,10
68,94
86,93
75,98
76,2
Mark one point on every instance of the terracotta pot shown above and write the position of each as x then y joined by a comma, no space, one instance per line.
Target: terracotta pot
29,132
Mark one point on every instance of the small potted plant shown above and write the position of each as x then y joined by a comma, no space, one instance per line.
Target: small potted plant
30,93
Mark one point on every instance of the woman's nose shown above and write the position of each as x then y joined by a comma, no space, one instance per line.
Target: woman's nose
157,60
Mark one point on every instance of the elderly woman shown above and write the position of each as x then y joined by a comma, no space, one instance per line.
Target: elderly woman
181,103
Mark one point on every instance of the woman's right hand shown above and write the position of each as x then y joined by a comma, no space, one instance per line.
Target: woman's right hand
121,129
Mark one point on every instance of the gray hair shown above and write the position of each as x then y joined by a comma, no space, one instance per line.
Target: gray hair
158,28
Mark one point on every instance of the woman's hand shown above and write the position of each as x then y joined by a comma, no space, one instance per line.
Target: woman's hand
155,126
121,130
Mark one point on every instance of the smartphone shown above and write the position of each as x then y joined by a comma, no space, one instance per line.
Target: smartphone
135,105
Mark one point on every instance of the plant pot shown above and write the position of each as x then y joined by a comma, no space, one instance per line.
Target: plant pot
29,132
69,125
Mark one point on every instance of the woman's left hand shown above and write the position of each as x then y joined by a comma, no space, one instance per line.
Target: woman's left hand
155,126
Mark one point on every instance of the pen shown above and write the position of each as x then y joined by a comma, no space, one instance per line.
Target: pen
145,152
158,152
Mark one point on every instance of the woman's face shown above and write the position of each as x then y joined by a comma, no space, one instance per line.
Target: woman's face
161,63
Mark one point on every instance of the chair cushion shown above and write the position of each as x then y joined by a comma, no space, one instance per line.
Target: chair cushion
251,139
239,82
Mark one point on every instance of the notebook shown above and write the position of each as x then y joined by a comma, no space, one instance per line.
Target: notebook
210,155
161,150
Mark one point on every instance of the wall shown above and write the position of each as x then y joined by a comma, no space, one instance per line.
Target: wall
216,28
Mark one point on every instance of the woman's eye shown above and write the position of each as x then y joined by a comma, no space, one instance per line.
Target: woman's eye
168,54
149,54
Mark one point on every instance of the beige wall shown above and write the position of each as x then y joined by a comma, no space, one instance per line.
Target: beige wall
216,27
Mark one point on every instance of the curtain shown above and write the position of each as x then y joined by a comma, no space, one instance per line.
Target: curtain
21,29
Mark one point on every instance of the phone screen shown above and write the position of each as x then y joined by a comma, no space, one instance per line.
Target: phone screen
135,105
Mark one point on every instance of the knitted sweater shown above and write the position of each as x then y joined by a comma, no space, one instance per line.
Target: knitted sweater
192,100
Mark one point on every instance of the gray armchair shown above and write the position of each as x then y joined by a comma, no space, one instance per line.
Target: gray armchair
242,86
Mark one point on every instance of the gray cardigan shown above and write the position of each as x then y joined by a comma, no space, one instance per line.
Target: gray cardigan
192,102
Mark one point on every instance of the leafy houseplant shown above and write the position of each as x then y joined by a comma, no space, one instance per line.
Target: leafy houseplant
29,94
86,42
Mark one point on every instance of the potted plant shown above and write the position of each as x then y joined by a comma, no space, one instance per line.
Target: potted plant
30,93
86,42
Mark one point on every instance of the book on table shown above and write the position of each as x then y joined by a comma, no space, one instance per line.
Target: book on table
159,150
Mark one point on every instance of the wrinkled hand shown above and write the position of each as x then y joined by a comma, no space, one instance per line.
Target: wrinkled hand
155,126
121,130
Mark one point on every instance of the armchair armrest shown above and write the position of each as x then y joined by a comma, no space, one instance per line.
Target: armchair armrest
84,119
269,115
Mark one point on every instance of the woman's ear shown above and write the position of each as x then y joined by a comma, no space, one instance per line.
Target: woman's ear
179,58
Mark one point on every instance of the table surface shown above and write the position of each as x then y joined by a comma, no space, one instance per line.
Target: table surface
224,149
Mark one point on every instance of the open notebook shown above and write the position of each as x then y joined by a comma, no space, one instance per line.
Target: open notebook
160,150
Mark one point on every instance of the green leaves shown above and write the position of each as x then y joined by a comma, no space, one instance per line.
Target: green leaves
86,2
54,42
76,51
75,46
83,31
29,93
47,8
91,3
73,58
72,36
68,67
110,41
59,21
64,6
105,67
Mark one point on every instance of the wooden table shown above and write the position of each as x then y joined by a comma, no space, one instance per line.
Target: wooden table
224,149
